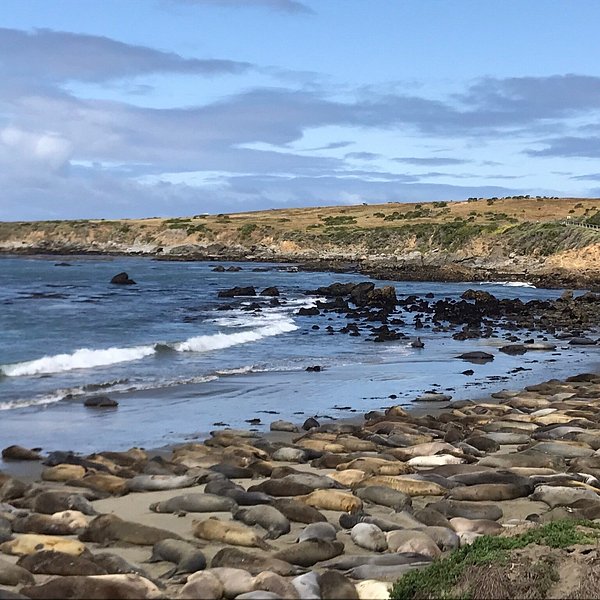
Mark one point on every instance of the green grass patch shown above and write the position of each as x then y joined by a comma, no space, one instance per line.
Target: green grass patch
437,580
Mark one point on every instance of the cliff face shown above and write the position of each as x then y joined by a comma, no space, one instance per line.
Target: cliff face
506,237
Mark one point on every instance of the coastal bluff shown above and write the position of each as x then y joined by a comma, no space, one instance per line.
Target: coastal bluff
552,242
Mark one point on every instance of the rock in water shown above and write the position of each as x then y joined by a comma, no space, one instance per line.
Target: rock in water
122,279
101,402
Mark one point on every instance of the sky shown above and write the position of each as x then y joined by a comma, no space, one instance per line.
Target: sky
140,108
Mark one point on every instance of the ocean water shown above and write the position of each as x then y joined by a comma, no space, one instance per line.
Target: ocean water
178,363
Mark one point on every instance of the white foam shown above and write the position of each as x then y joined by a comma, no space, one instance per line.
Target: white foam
84,358
219,341
35,401
509,283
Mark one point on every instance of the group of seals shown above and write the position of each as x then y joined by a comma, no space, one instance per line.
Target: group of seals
338,509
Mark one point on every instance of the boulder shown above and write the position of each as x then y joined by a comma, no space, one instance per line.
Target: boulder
237,291
270,291
100,402
122,279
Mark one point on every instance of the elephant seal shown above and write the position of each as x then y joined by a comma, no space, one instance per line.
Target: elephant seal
467,510
110,528
307,586
205,585
490,491
411,487
253,563
30,543
334,585
234,581
259,595
349,561
481,526
318,531
279,487
333,500
154,483
49,503
14,574
312,480
228,532
384,496
369,536
406,521
117,587
232,471
224,487
381,573
559,495
431,517
46,524
526,458
187,558
371,589
194,503
412,541
114,564
310,552
445,538
297,511
275,584
63,472
268,517
50,562
488,477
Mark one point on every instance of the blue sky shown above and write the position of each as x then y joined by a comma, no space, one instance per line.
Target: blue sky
172,107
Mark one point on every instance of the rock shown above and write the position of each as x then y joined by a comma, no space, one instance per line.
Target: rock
270,291
582,341
314,369
310,423
313,311
237,291
20,453
122,279
476,356
100,402
283,426
219,269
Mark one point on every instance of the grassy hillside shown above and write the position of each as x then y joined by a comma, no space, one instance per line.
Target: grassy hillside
505,234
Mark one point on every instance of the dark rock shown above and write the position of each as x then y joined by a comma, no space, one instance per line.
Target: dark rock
308,312
270,291
122,279
310,423
237,291
314,369
233,269
476,356
219,269
100,402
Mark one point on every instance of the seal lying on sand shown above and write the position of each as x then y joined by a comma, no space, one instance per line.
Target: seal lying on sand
109,528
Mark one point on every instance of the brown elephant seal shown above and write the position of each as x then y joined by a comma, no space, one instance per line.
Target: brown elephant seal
268,517
30,543
333,500
12,488
280,487
14,574
110,528
204,585
445,537
228,532
318,531
467,510
490,492
20,453
234,581
194,503
52,502
253,563
412,541
369,537
488,477
63,472
276,584
297,511
49,562
117,587
115,565
310,552
103,482
384,496
187,558
431,517
334,585
410,487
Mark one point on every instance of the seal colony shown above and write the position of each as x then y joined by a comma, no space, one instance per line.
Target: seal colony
335,510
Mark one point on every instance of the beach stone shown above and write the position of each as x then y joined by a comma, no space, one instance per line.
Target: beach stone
20,453
237,291
283,426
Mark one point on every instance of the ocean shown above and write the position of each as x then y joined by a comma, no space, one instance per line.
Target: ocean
179,359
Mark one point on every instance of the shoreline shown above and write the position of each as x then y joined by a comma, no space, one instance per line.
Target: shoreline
497,460
382,269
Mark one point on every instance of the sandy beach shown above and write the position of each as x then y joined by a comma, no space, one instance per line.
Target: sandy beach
371,499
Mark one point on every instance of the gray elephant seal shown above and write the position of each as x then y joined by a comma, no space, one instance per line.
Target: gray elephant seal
187,558
117,565
14,574
369,536
194,503
276,584
467,510
49,503
490,491
268,517
110,528
431,517
42,524
49,562
280,487
118,587
153,483
334,585
253,563
318,531
349,561
488,477
382,573
297,511
378,494
559,495
310,552
307,586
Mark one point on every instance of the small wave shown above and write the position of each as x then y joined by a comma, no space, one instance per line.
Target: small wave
508,283
84,358
35,401
219,341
